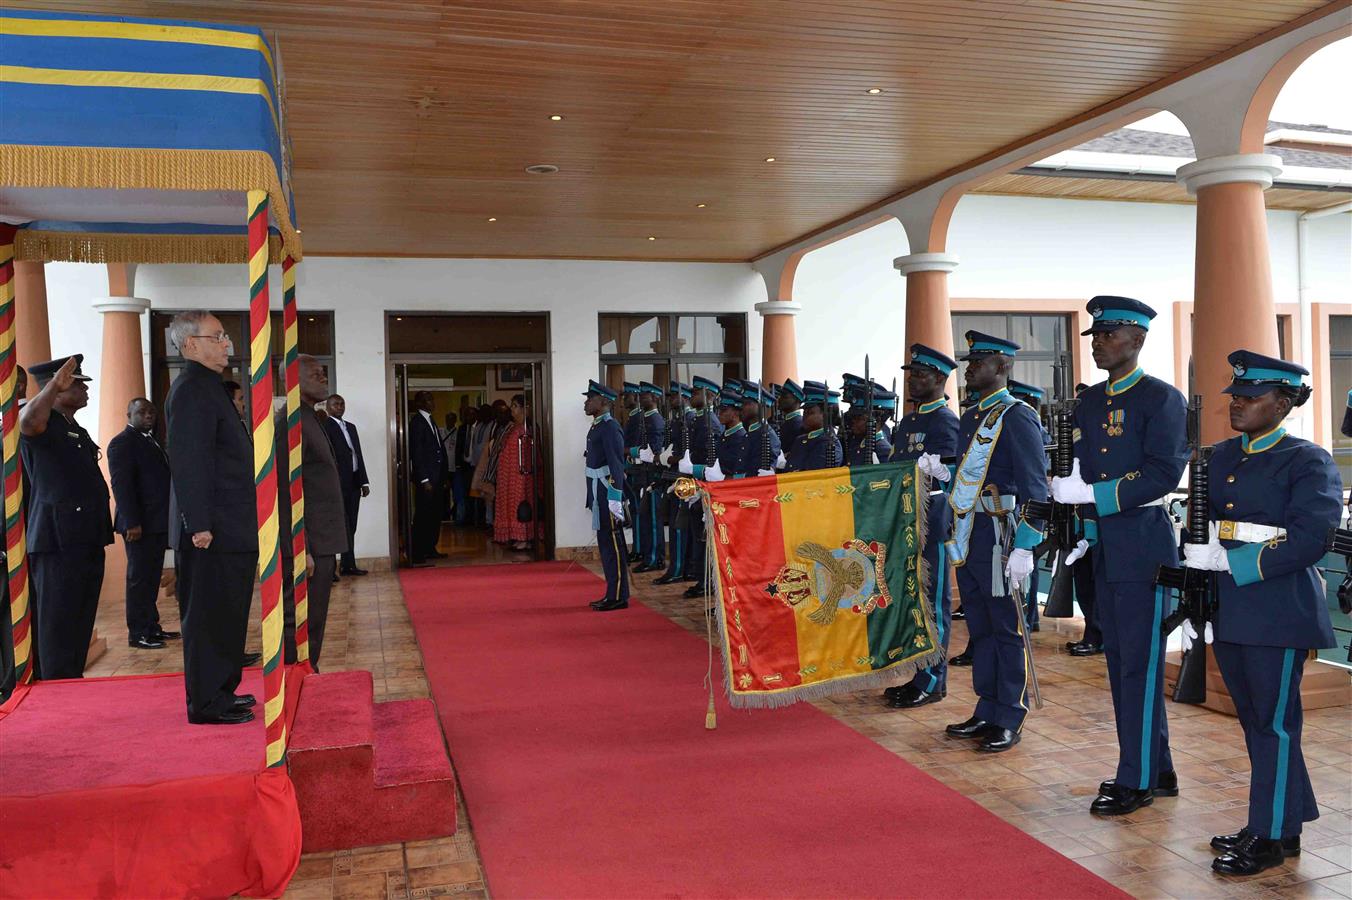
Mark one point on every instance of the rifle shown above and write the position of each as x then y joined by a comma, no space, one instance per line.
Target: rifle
1340,541
1063,529
870,431
1196,588
766,462
831,461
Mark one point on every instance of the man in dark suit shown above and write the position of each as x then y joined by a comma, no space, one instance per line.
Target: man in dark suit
427,462
139,469
351,473
326,533
68,521
216,527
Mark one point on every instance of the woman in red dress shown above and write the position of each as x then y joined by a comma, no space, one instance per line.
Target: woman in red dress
516,483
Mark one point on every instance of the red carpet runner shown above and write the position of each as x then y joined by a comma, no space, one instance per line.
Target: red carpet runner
587,771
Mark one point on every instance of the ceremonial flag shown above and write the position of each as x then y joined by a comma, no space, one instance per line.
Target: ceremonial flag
821,582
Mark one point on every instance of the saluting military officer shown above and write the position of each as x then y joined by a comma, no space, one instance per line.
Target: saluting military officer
1032,395
605,493
1273,497
1001,470
817,447
705,431
763,446
679,422
1130,451
930,435
652,437
68,520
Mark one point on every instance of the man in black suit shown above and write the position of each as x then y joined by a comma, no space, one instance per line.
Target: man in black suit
351,473
139,469
68,521
427,462
216,528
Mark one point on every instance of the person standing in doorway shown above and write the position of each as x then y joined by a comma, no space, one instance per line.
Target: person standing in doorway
517,519
346,443
428,465
462,466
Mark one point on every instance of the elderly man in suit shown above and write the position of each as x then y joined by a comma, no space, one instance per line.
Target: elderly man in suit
427,462
139,469
325,517
351,472
215,529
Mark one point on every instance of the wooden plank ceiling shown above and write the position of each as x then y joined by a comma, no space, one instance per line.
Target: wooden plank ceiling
1144,191
413,120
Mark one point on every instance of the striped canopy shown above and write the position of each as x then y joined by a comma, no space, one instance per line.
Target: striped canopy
136,140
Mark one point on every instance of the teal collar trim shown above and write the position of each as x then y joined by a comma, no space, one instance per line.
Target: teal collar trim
1126,382
597,420
798,413
988,401
652,412
931,406
733,430
754,426
1263,442
813,434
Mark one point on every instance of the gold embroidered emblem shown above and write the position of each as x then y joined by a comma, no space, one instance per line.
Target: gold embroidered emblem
844,489
907,480
906,505
863,660
776,678
722,532
880,485
718,508
749,504
851,576
786,497
744,681
741,654
808,670
814,492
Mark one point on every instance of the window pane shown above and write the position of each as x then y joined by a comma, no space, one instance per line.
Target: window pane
1048,333
634,334
717,372
711,334
993,324
1340,381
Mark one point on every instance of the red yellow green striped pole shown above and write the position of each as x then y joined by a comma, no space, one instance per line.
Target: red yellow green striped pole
16,550
299,584
265,480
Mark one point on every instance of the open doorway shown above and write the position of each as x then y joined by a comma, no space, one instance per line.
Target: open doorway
481,381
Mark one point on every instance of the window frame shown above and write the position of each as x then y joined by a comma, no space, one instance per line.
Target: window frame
673,359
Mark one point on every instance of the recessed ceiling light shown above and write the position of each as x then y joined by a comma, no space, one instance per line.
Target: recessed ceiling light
542,169
492,218
700,205
874,91
769,159
556,118
651,238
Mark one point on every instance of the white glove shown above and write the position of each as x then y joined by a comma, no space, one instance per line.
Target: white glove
1020,566
713,473
782,462
1072,488
616,509
645,455
929,464
1190,634
764,472
685,466
1208,557
1081,548
665,458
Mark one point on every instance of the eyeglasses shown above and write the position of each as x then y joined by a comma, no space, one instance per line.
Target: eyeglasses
219,337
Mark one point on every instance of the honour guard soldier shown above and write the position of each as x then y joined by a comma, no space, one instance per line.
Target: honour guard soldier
861,420
68,521
1001,469
705,432
1273,498
1130,451
629,400
790,403
677,513
605,493
1032,395
653,438
930,436
818,446
763,445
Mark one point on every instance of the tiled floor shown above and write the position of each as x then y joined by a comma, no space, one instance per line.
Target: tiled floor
1043,786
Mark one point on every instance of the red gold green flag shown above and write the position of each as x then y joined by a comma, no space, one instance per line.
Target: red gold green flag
820,581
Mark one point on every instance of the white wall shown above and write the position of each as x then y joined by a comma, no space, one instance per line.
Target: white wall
360,290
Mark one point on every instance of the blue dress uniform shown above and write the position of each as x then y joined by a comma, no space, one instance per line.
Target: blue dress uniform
653,437
605,482
856,449
1273,500
705,432
632,441
68,529
679,425
1014,470
791,425
819,449
763,444
1032,395
1131,447
932,428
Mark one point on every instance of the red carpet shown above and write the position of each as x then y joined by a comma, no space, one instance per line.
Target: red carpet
106,790
580,744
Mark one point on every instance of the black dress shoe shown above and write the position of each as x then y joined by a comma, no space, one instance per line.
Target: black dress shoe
602,602
647,567
251,659
337,577
958,614
234,716
1165,786
610,605
145,643
635,558
160,634
1228,842
693,591
962,659
1035,627
669,579
353,571
998,740
1250,856
244,701
972,728
1083,648
915,697
1119,801
897,691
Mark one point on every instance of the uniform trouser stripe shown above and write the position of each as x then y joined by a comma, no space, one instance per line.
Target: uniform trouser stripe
1148,727
1283,746
940,579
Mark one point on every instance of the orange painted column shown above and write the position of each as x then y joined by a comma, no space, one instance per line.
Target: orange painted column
1232,291
929,318
32,331
779,341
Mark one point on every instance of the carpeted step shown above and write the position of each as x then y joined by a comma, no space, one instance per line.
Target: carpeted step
335,712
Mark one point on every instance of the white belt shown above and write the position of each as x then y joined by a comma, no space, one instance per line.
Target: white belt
935,493
1247,532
